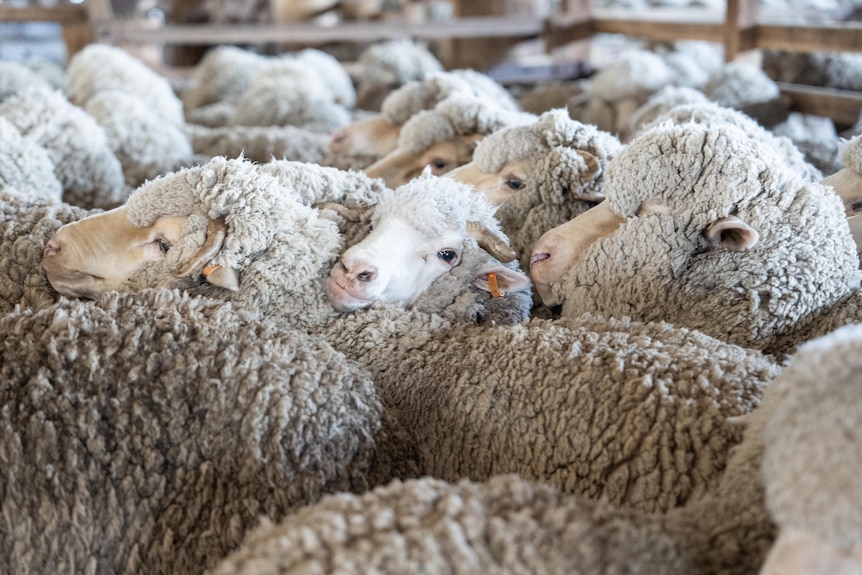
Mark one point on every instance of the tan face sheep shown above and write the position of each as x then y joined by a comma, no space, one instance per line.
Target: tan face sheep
706,228
847,182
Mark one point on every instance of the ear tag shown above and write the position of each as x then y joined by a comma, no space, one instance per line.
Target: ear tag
492,285
209,269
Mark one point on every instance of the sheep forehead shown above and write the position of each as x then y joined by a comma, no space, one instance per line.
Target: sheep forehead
851,154
434,205
673,164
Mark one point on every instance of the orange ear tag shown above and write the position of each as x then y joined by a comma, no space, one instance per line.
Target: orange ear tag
210,268
492,285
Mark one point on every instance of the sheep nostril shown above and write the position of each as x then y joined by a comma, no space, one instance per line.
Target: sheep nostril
367,275
337,139
539,257
51,248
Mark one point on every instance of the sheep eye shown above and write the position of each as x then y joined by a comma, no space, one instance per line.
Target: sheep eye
439,164
448,256
514,184
163,245
856,206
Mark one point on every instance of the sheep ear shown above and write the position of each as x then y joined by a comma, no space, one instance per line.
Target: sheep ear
499,280
222,277
732,233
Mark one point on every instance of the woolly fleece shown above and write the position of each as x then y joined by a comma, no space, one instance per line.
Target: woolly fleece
661,268
26,166
385,66
259,143
740,83
145,433
223,74
15,77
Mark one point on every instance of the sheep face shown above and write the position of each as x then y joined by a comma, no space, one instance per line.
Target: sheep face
706,228
403,164
375,136
105,252
424,230
848,184
498,186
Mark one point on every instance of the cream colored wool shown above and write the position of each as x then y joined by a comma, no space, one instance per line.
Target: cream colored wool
15,77
386,66
145,433
554,192
85,165
798,281
260,143
638,415
738,84
222,75
662,102
28,222
26,166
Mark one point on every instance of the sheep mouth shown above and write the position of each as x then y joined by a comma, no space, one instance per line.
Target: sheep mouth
342,299
73,283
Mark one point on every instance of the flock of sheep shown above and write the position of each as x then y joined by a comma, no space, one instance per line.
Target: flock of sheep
278,319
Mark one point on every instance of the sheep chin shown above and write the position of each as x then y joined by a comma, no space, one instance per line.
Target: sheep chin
342,300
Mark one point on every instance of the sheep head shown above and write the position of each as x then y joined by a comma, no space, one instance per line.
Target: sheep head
106,252
375,136
848,184
705,227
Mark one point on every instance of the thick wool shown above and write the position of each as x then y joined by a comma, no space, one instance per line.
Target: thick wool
289,93
661,267
738,84
15,77
259,143
427,526
223,74
334,76
812,481
85,165
145,433
639,415
554,191
52,72
146,145
385,66
426,93
27,222
101,67
26,166
458,115
710,112
633,73
662,102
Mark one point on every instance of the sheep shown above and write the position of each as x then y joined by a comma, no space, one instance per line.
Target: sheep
52,72
847,182
85,165
443,138
745,86
662,102
334,76
28,222
700,218
15,76
145,433
100,67
811,486
25,165
289,93
710,112
829,69
222,75
384,67
814,136
639,415
375,136
233,230
540,175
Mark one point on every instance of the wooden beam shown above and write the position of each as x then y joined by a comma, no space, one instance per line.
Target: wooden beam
562,29
484,27
740,21
843,106
846,37
61,13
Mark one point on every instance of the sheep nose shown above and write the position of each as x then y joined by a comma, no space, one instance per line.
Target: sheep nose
338,139
538,257
360,271
51,248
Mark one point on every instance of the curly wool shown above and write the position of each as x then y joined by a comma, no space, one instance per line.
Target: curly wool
162,427
334,76
26,166
458,115
85,165
738,84
101,67
552,193
661,267
223,74
425,94
289,93
810,483
385,66
28,222
663,102
259,144
633,73
851,154
146,145
15,77
710,112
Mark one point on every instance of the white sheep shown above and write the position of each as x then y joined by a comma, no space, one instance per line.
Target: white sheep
847,182
662,102
100,67
744,86
816,137
384,67
812,485
85,165
705,227
145,433
540,175
443,137
26,166
222,75
15,77
259,143
375,136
